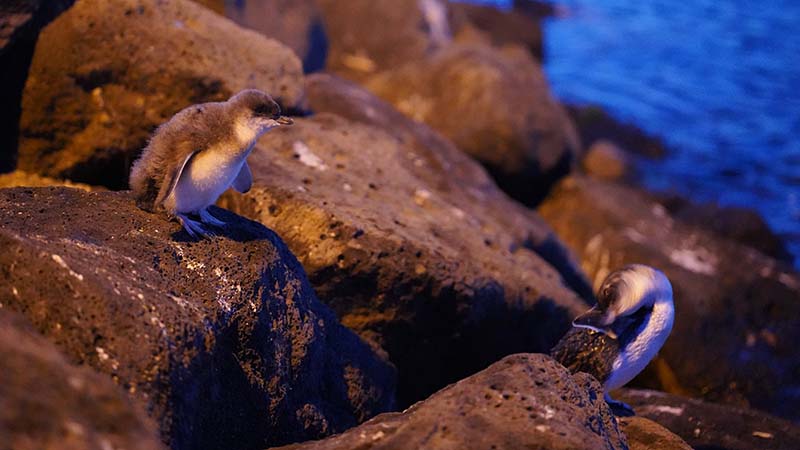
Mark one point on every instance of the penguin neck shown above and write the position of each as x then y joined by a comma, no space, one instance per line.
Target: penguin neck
659,324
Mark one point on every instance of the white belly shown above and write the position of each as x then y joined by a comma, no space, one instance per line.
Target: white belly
204,179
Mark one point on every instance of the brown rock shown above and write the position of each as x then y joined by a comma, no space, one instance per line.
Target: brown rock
644,434
107,72
20,178
496,106
20,23
736,309
222,341
440,274
706,425
368,36
47,403
525,401
502,26
606,161
594,123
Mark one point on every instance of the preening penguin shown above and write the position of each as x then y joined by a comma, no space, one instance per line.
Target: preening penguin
616,339
201,152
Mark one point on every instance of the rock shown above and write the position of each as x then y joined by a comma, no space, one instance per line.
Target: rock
644,434
606,161
20,178
735,327
525,401
295,23
594,123
48,403
502,26
496,106
410,244
742,225
222,341
368,36
706,425
20,23
107,72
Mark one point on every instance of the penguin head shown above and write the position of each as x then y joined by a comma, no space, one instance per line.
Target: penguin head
258,110
626,292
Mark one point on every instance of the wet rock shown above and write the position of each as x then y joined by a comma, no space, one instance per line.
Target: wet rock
494,105
106,73
20,23
594,123
21,178
368,36
707,425
644,434
295,23
742,225
735,327
48,403
502,26
606,161
410,244
525,401
222,341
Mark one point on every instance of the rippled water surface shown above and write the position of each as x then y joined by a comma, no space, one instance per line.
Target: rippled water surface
718,80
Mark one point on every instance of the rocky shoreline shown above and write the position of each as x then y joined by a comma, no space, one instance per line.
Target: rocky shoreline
427,228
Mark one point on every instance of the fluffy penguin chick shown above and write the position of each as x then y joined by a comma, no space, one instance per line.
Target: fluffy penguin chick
201,152
616,339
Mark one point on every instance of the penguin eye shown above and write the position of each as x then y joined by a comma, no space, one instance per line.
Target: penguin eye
272,111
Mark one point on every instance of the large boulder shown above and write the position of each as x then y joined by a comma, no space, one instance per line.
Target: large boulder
20,23
48,403
736,309
644,434
594,123
107,72
410,242
706,425
369,36
525,401
222,341
494,105
503,27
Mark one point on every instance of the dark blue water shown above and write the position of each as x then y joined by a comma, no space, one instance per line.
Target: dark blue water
717,80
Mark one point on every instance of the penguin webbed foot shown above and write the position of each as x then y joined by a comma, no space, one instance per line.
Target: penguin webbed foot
620,409
207,218
195,229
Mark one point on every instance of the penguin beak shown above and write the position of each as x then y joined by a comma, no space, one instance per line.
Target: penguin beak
596,319
283,120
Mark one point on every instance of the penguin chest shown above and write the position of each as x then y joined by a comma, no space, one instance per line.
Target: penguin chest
207,175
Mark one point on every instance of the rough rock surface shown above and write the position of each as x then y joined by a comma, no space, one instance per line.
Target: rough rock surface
525,401
47,403
494,105
222,341
644,434
368,36
295,23
21,178
20,23
107,72
735,333
594,123
710,426
411,245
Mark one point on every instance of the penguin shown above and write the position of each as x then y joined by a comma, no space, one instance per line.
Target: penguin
199,153
617,338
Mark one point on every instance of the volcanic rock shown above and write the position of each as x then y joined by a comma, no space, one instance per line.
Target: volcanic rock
48,403
21,178
735,326
644,434
494,105
503,27
525,401
706,425
594,123
107,72
411,245
606,161
222,341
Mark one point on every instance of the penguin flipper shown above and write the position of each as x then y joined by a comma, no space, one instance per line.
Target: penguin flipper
244,180
171,179
584,350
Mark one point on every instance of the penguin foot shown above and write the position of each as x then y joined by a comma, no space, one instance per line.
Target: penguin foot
195,229
207,218
620,409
